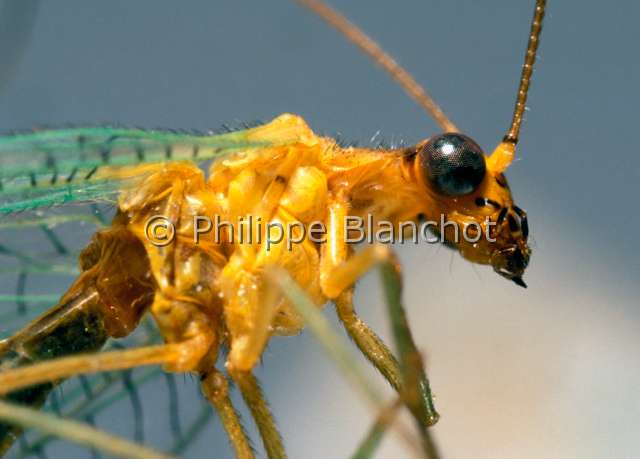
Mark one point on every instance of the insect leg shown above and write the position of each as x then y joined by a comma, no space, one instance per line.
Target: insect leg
216,388
248,337
338,270
367,341
253,397
380,355
65,367
416,393
183,322
339,273
247,343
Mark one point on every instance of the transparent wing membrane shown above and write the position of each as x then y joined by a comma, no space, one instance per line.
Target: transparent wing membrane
38,260
52,167
40,240
86,397
32,285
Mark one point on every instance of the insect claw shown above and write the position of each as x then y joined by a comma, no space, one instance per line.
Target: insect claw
518,281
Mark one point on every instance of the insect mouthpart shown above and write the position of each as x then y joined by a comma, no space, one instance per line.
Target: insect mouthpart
511,263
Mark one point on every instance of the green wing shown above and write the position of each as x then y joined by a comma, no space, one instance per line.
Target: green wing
41,171
54,167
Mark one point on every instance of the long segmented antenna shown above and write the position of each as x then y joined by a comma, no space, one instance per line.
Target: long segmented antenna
356,36
527,71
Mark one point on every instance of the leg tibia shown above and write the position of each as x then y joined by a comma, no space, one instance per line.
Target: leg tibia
216,389
367,341
253,397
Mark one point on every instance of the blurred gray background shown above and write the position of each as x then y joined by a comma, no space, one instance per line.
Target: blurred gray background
551,371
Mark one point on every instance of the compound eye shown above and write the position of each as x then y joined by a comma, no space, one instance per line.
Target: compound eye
453,163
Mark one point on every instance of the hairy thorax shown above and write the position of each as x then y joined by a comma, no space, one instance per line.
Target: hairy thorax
244,197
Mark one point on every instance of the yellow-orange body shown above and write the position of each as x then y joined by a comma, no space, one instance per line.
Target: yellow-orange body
205,290
213,290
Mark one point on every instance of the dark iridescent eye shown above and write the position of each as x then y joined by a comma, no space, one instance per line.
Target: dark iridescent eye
453,164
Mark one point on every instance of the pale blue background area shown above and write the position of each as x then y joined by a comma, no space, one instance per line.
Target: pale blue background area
551,371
